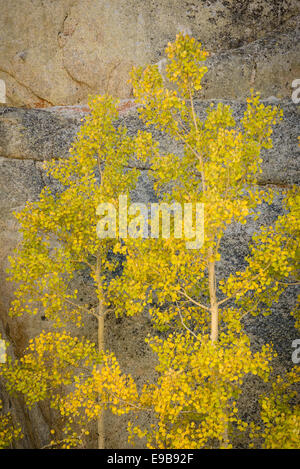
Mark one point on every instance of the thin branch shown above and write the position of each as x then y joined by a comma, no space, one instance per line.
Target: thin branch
237,291
184,325
194,301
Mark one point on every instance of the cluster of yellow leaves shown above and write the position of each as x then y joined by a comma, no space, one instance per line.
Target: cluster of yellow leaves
9,432
183,68
273,263
52,360
195,397
281,413
105,387
59,230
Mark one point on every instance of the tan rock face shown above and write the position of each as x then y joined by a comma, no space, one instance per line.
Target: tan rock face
267,65
57,52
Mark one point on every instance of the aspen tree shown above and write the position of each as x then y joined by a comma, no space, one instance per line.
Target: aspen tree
205,353
59,241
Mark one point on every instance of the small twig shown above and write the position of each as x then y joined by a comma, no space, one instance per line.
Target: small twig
185,326
194,301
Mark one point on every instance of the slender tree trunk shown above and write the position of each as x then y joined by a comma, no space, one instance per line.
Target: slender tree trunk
100,421
214,332
101,345
215,320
